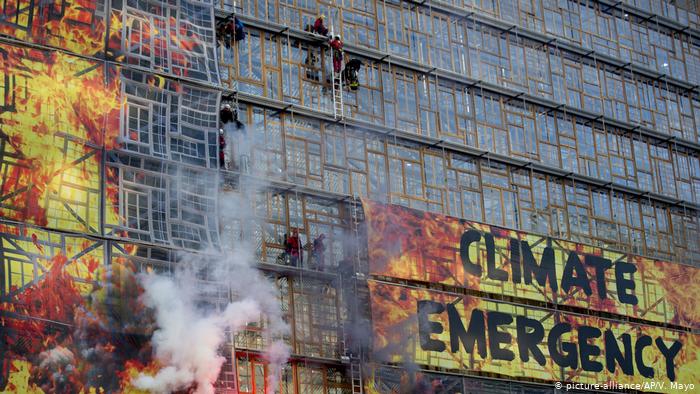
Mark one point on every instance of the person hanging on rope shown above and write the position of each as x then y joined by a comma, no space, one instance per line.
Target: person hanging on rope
350,73
222,149
230,30
337,48
226,114
239,30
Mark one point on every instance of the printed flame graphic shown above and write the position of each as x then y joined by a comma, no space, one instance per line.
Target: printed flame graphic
396,339
414,245
68,336
74,26
61,114
681,285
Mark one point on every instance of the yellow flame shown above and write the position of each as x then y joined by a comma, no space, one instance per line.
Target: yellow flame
63,106
18,381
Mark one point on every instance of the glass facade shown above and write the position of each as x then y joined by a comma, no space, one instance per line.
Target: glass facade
573,120
529,109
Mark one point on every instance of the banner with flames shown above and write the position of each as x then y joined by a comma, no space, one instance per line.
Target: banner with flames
427,247
175,37
382,379
78,26
464,333
70,320
57,113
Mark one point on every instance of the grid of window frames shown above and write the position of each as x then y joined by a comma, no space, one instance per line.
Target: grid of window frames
685,12
292,71
296,377
310,306
428,35
402,99
333,158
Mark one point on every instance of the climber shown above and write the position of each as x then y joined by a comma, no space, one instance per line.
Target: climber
318,252
222,149
239,32
226,114
350,73
293,249
318,26
337,47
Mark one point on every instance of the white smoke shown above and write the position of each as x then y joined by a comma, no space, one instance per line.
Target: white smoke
56,358
188,338
276,355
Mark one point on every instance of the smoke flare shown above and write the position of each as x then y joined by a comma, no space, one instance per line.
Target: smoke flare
189,336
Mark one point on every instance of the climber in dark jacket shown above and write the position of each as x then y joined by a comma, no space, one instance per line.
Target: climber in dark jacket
226,114
222,149
350,73
239,32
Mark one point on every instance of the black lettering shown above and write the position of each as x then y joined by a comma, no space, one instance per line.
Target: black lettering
496,338
491,271
614,355
528,341
642,342
569,357
601,265
587,350
475,333
573,264
624,284
427,327
515,260
669,354
467,238
545,270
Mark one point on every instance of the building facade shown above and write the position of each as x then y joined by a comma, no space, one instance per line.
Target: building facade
574,123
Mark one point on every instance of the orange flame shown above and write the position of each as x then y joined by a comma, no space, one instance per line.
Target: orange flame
423,246
64,111
78,30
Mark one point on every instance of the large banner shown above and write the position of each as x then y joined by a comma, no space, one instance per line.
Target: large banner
408,244
71,320
465,333
77,26
57,113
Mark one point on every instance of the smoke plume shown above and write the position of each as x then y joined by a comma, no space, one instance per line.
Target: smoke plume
190,331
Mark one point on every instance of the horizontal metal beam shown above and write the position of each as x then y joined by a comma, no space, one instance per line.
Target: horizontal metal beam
458,148
179,78
418,139
662,20
561,43
383,57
